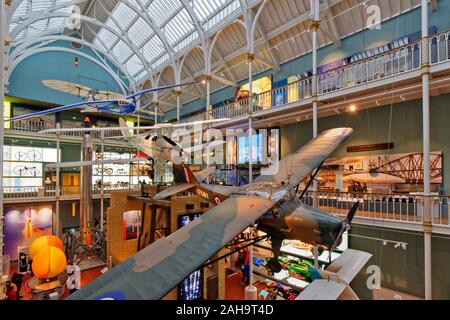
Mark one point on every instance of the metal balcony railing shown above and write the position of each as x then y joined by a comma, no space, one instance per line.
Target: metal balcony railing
384,207
51,192
33,127
390,63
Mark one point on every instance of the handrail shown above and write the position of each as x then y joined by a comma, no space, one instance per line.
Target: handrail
398,208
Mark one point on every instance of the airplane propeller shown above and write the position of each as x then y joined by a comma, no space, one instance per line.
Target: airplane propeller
344,227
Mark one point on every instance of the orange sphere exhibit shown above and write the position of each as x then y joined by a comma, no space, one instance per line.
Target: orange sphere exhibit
43,242
48,257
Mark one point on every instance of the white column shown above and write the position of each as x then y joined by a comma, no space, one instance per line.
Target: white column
425,98
58,181
250,290
314,27
208,97
427,216
250,59
178,93
102,188
2,127
156,111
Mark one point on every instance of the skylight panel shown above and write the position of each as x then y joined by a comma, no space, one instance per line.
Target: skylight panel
123,15
134,65
153,49
142,75
140,32
221,14
178,27
122,51
56,22
162,10
160,61
107,37
204,8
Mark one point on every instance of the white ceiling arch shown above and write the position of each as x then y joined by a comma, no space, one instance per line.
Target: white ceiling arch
25,45
65,14
33,51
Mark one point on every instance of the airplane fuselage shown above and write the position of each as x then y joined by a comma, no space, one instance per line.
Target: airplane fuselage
155,147
290,218
123,108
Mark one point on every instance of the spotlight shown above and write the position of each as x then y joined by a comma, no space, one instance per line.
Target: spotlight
352,108
75,61
404,246
402,98
384,243
203,81
378,103
397,245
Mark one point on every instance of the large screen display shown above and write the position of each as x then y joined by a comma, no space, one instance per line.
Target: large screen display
257,149
191,287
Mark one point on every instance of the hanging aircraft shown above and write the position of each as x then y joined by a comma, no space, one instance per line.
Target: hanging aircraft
153,142
80,90
270,201
121,106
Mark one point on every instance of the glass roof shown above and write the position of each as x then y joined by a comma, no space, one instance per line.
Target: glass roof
27,7
142,35
168,26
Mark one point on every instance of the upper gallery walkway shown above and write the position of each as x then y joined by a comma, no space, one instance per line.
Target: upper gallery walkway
389,77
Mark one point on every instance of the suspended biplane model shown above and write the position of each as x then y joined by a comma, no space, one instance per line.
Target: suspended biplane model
271,202
122,105
153,142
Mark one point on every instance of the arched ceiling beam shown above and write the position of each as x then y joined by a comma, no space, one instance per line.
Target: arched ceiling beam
39,17
143,13
190,10
216,36
15,5
31,52
23,45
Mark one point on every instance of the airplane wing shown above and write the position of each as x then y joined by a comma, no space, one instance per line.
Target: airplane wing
154,271
223,190
61,108
140,93
295,167
349,264
202,175
322,290
337,277
170,191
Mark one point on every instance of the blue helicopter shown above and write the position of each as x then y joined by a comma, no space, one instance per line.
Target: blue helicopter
123,106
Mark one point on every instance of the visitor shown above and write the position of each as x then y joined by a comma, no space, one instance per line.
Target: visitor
11,291
243,261
17,279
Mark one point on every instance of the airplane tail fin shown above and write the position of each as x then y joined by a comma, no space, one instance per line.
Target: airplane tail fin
183,174
126,133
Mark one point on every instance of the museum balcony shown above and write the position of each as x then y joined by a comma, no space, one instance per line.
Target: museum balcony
396,211
381,79
20,195
33,129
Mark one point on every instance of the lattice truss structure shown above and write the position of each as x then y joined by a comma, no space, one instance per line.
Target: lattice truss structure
157,42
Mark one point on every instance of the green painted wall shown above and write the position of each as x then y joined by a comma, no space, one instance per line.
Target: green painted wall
402,270
376,126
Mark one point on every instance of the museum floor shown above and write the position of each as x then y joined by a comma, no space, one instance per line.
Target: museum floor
235,290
